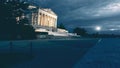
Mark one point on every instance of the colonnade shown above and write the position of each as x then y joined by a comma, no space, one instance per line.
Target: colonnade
45,20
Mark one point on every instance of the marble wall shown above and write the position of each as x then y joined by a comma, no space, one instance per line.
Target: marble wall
44,18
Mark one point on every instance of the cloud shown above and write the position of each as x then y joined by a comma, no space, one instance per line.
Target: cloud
86,13
108,10
96,10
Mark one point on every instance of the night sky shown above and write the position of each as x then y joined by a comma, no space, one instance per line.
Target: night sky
87,14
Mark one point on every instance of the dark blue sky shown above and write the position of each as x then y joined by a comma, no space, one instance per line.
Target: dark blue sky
86,13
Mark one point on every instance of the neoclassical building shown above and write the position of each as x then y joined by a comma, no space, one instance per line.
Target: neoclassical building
46,17
45,20
43,17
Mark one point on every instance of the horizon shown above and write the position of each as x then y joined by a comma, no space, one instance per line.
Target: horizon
86,14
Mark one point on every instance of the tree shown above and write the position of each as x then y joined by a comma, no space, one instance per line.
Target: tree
26,31
9,27
61,26
80,31
7,22
23,21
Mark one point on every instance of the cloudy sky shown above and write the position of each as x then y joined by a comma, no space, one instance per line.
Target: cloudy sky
86,13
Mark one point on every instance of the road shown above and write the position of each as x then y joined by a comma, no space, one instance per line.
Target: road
106,54
44,53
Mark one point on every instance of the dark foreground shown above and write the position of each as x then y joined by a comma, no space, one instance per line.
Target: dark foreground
83,53
44,53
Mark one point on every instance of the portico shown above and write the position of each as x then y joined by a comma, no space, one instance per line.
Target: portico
45,18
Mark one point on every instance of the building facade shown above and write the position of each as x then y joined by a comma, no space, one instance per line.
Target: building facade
45,21
44,18
47,18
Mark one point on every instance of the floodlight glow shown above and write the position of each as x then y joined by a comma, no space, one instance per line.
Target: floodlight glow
97,28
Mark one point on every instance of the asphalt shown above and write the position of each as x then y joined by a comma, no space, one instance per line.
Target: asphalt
44,53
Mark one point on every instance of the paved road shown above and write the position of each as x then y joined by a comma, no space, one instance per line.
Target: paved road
57,53
106,54
44,53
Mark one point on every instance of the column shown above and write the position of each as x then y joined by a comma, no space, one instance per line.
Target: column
55,22
35,18
48,21
52,22
40,19
42,16
43,22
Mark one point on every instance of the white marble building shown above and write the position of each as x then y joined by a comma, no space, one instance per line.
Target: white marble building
45,20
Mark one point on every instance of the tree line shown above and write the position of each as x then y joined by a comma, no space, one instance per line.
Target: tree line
10,27
83,33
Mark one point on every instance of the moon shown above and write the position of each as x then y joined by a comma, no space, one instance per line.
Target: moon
97,28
